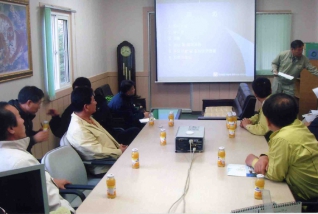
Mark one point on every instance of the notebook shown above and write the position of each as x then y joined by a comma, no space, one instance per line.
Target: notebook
289,207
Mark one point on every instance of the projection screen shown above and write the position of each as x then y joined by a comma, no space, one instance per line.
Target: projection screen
205,40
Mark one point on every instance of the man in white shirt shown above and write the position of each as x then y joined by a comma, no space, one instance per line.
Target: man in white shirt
14,154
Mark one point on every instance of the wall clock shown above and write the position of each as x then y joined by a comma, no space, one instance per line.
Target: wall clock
126,62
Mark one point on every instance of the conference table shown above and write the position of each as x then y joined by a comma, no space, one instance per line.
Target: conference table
160,180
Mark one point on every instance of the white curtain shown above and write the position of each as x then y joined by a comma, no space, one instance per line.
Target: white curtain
273,35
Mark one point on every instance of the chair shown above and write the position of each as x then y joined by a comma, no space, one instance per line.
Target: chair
64,162
311,206
243,104
104,90
103,113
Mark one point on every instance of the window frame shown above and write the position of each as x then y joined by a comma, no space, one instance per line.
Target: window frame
55,16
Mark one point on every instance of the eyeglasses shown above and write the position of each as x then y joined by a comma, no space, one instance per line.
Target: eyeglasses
3,211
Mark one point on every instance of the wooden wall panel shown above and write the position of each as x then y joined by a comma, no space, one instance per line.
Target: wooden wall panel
307,100
112,80
200,92
143,88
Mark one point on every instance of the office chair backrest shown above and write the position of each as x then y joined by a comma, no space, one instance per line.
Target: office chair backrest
104,90
64,162
244,102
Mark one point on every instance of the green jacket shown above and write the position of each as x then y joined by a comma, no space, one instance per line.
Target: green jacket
293,157
259,123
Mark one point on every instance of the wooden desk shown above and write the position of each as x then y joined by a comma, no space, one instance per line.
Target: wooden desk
161,178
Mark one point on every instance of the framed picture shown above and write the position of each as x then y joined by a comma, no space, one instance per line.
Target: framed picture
15,40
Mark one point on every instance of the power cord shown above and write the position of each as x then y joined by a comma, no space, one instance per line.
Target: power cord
187,183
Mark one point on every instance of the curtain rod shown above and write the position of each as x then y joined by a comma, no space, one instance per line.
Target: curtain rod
59,8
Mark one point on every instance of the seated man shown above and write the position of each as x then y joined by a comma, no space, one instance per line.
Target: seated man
122,105
257,124
13,153
59,125
293,150
28,103
86,135
104,116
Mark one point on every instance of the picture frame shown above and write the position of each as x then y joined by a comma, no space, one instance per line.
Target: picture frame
15,40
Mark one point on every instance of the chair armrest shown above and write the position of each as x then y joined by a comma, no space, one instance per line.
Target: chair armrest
79,186
73,192
118,129
100,162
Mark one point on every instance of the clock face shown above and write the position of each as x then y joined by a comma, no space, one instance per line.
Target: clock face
125,51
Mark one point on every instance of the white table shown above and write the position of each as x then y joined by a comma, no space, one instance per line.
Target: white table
161,178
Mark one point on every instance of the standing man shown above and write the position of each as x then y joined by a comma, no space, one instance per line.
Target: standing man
293,150
290,62
13,154
28,103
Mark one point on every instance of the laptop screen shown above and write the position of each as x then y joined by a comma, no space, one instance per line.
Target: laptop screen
24,190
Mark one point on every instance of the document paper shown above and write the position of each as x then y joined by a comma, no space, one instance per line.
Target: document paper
285,76
240,170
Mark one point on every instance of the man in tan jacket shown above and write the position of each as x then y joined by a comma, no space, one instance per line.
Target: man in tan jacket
86,135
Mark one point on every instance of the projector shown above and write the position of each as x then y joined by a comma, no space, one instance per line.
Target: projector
189,134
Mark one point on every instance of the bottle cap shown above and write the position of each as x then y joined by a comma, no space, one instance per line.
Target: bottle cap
260,176
229,114
233,113
110,175
163,130
45,121
134,150
221,148
171,112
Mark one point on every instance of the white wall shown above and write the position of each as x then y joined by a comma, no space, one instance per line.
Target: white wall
304,16
89,43
124,22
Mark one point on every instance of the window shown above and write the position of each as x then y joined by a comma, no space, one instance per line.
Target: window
61,47
273,35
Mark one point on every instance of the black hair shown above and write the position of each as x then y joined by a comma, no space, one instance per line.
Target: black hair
30,93
7,119
81,82
81,96
296,44
262,87
280,109
125,86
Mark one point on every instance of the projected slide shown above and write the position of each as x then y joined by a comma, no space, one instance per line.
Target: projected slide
205,41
